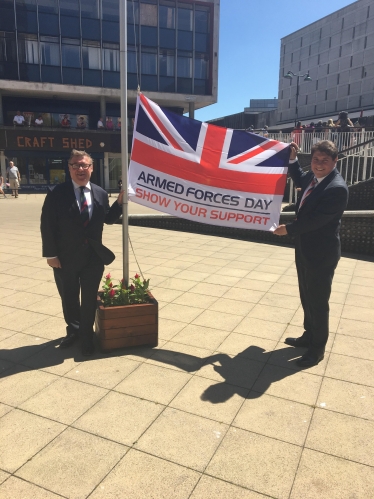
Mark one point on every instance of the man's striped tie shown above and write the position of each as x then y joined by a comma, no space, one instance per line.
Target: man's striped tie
312,185
85,216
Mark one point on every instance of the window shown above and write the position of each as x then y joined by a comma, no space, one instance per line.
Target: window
91,55
149,36
185,17
69,7
202,20
148,14
167,15
8,50
149,62
50,51
111,10
48,6
111,57
167,63
167,38
26,4
132,12
48,24
71,53
131,60
184,64
70,26
90,8
201,66
28,49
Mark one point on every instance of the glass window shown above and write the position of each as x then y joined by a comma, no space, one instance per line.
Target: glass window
185,40
69,7
71,53
37,171
91,29
167,15
132,12
201,66
184,64
111,57
28,50
50,51
111,10
202,19
132,34
149,83
184,85
167,38
26,4
92,78
72,76
185,17
48,24
48,6
167,63
110,31
201,87
201,42
148,14
29,72
51,74
149,36
91,55
111,79
8,48
131,60
27,21
149,62
90,8
7,19
167,84
70,26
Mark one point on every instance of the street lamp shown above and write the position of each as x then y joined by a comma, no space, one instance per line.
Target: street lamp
306,77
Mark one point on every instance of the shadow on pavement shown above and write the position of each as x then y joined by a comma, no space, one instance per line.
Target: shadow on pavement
238,373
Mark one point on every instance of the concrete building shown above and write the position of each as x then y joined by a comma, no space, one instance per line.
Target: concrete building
60,63
338,53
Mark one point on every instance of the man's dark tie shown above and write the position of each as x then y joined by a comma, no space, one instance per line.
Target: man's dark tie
312,185
85,216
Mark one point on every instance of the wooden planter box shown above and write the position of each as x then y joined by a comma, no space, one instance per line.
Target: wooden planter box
127,325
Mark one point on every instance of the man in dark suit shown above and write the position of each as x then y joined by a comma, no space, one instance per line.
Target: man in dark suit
319,209
72,221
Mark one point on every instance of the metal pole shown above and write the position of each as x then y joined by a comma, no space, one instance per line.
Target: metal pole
124,135
297,100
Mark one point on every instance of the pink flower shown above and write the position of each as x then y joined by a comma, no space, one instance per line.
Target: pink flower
112,293
132,288
137,276
108,276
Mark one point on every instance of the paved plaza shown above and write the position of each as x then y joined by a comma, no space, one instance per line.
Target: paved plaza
218,410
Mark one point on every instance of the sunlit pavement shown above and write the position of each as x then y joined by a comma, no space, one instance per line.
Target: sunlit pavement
218,410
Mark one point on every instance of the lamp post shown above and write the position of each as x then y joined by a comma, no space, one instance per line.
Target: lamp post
306,77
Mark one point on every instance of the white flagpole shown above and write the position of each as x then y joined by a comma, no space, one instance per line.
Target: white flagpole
124,137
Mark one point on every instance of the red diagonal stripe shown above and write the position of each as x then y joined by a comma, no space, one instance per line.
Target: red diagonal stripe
255,152
205,174
159,123
213,145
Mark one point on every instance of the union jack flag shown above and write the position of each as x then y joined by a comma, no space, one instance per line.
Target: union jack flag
214,167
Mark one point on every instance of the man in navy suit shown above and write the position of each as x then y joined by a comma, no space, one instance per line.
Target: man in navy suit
72,222
322,201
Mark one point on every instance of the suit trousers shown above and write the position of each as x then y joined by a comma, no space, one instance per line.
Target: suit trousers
315,289
77,283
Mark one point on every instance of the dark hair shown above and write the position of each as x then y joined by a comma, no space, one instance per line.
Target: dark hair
343,114
327,147
298,124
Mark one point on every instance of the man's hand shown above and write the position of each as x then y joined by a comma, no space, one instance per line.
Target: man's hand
120,197
294,149
281,231
54,262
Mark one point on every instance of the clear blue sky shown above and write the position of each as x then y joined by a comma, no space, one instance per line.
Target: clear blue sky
249,47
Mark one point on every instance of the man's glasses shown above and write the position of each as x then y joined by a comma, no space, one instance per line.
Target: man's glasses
75,166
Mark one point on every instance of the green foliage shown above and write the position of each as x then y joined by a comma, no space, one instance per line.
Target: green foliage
114,295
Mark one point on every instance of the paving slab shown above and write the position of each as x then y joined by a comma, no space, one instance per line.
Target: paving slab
218,409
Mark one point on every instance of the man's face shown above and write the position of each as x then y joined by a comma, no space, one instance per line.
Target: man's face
11,164
82,175
322,164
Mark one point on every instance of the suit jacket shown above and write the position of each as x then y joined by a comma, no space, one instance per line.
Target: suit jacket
63,234
316,228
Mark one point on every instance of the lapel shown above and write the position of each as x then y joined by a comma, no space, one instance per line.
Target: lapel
317,191
72,201
95,204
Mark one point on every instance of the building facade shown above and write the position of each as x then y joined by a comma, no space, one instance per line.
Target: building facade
338,53
60,65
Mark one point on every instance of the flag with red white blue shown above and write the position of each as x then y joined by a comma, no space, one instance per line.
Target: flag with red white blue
205,173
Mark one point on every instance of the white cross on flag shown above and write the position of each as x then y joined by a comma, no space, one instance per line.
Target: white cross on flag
206,173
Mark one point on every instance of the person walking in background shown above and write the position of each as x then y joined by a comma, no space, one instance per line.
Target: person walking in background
323,199
2,186
72,220
14,178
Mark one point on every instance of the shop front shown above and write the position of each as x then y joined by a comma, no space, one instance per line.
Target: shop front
42,157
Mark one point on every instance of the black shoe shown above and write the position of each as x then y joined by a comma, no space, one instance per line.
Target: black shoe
297,342
88,349
68,340
310,358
